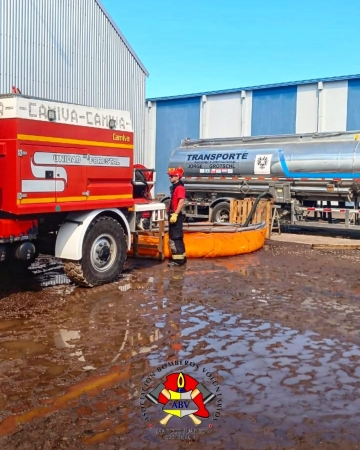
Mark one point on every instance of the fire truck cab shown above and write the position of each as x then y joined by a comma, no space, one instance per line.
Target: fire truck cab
69,187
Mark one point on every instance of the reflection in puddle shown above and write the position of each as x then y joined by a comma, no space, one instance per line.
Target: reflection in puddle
22,348
62,338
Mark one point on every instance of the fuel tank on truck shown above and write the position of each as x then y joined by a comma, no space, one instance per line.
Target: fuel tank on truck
296,157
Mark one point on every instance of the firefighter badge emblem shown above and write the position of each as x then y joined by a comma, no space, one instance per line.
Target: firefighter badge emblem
181,396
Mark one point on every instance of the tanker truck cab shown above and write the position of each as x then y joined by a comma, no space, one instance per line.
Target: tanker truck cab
70,188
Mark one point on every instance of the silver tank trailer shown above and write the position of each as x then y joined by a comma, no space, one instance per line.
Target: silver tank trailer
323,166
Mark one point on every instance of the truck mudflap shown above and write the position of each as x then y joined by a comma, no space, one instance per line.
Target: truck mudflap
69,242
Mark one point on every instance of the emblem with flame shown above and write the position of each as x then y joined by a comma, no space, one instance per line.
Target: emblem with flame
182,396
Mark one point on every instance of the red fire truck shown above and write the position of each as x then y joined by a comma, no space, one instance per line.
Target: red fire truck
69,187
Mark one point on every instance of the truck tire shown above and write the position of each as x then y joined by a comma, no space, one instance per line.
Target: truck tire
104,254
221,212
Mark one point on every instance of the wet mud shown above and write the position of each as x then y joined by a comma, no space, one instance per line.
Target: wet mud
274,334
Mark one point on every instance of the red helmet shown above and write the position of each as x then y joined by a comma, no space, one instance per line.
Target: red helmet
178,172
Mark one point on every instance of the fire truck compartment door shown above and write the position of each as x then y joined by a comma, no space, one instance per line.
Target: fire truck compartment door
51,174
37,181
69,241
71,167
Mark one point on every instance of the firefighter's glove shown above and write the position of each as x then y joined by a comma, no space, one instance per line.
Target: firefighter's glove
173,218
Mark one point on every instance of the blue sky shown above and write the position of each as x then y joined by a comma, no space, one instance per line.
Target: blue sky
193,46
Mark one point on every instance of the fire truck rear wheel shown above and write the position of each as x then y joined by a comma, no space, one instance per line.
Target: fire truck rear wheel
221,212
104,254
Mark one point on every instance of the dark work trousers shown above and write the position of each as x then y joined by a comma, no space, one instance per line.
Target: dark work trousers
176,237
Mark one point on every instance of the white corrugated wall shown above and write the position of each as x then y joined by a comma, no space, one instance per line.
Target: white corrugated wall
69,50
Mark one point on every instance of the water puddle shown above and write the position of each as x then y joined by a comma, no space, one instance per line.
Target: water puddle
268,337
22,348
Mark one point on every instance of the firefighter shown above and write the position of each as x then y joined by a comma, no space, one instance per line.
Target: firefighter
176,218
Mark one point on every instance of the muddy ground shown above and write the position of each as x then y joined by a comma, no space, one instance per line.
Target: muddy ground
275,335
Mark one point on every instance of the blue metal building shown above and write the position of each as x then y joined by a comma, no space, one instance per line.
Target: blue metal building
318,105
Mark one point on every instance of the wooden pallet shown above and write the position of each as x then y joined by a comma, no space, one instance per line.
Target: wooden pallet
240,210
159,247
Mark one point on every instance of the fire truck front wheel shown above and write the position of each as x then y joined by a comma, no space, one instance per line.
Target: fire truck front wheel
104,254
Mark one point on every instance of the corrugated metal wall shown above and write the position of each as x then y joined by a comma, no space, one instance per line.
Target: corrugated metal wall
70,51
175,120
274,111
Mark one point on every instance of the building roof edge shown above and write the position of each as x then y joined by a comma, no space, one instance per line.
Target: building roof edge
254,88
122,37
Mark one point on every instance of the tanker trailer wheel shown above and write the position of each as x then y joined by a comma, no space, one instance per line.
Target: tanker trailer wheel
221,213
104,254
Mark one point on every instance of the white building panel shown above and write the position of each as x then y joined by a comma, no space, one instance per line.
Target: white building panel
333,106
307,108
150,135
246,113
221,116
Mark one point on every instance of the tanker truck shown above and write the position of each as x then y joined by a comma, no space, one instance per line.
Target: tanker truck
299,172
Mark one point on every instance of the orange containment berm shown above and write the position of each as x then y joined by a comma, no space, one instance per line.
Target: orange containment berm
212,241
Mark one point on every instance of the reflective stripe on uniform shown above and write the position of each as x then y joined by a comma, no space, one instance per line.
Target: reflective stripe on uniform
177,256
